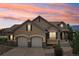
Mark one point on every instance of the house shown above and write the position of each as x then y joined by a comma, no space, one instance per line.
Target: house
36,33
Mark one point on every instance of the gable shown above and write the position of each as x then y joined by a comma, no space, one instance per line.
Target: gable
58,25
22,29
36,29
44,24
41,22
22,26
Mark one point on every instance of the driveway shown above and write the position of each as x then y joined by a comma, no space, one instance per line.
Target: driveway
28,52
36,52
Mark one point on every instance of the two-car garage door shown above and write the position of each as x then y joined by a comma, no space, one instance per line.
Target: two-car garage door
35,42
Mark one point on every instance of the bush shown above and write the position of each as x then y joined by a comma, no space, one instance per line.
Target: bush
3,40
74,40
58,50
75,43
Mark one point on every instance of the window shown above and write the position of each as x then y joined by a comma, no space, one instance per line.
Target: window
11,37
29,27
52,35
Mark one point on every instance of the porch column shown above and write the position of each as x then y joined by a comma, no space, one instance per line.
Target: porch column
58,36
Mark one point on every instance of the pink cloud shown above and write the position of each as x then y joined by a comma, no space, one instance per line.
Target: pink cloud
25,11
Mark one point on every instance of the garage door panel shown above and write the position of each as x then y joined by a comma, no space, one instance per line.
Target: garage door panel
19,41
22,42
36,42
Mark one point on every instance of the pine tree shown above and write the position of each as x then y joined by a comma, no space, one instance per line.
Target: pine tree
70,33
74,39
75,43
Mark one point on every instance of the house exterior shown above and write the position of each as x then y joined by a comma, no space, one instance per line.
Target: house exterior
36,33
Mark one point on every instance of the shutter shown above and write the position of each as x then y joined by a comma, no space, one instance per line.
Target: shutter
26,27
61,35
13,37
31,27
47,35
9,37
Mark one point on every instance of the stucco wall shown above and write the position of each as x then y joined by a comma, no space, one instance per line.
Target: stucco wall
35,31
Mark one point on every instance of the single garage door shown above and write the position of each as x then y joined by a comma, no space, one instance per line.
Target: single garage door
22,42
36,42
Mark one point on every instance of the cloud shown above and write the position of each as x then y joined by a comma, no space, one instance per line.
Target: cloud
50,11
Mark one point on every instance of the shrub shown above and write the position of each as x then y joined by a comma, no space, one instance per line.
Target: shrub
75,43
58,50
3,40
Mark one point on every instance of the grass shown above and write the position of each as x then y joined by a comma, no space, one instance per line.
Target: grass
4,49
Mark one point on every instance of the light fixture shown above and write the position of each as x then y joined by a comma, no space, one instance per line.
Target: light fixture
61,25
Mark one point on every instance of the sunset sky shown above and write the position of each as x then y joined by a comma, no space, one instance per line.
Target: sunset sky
11,13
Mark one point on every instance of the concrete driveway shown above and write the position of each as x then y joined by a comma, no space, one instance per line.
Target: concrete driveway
36,52
28,52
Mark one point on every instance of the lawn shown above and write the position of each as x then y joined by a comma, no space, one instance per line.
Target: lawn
4,49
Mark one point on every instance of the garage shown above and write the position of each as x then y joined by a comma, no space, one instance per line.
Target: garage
22,42
36,42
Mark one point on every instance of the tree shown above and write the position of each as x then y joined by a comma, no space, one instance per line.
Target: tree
75,43
70,33
74,39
